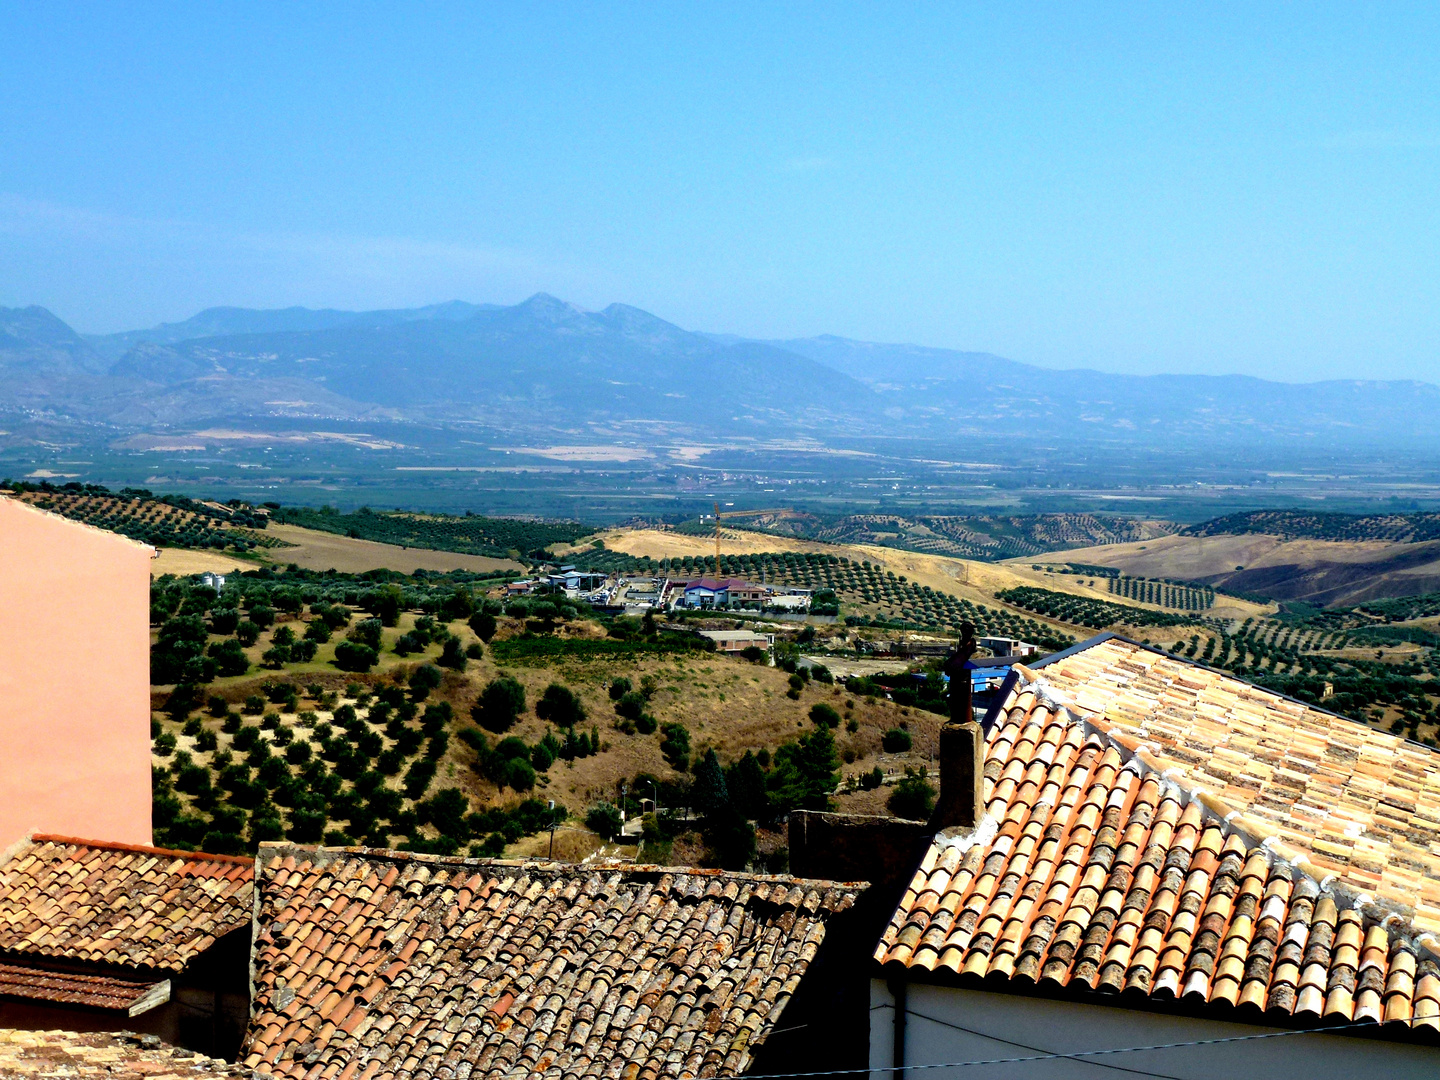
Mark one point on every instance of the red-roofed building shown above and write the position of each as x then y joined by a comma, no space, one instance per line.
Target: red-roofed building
124,937
1117,880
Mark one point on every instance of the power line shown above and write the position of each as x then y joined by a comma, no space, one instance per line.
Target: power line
1054,1056
1037,1049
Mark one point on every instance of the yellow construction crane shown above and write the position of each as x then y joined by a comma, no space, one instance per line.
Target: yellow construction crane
738,514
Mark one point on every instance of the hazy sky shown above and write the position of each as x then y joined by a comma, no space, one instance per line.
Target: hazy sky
1220,188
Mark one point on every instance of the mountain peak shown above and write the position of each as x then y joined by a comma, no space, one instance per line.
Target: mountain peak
35,341
543,304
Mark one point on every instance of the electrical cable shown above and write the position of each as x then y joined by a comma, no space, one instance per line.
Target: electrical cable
1037,1049
1046,1056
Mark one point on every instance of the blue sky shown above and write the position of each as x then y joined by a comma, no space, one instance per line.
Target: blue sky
1142,188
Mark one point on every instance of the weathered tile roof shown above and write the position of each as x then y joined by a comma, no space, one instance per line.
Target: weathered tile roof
130,996
372,963
101,1055
119,904
1095,870
1342,798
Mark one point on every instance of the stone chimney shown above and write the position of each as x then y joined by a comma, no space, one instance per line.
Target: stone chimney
962,777
962,746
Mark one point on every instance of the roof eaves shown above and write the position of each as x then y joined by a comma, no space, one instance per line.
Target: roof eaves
140,849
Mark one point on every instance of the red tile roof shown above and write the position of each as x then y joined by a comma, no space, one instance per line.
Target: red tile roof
131,996
120,904
1342,799
103,1056
375,964
1096,870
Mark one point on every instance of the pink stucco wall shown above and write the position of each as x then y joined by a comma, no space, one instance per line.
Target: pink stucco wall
74,679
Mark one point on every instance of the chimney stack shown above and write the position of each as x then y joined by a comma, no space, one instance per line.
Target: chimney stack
962,777
962,746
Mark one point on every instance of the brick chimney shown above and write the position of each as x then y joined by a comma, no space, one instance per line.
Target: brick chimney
962,777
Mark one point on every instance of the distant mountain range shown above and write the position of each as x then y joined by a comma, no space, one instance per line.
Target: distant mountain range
547,364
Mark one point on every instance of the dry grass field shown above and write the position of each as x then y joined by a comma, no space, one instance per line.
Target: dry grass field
1321,571
315,550
975,581
182,561
726,703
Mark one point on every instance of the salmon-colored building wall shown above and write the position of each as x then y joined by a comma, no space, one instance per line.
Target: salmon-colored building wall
74,679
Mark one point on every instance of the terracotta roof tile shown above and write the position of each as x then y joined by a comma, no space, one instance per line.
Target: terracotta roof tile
1358,803
388,964
1103,864
103,1056
119,904
35,983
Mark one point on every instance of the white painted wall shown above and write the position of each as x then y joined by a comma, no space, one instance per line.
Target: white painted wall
997,1021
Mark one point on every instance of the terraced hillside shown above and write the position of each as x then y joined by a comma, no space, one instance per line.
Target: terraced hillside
868,594
430,711
1308,525
973,537
469,534
165,521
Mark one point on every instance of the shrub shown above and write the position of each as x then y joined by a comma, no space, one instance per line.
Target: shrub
675,745
298,753
560,706
604,820
895,741
425,678
247,633
475,651
631,705
165,744
207,741
619,688
366,632
501,701
823,714
418,777
452,655
913,797
483,623
753,653
517,773
353,656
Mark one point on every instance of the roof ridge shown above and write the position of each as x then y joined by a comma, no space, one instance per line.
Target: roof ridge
273,849
142,849
1224,673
